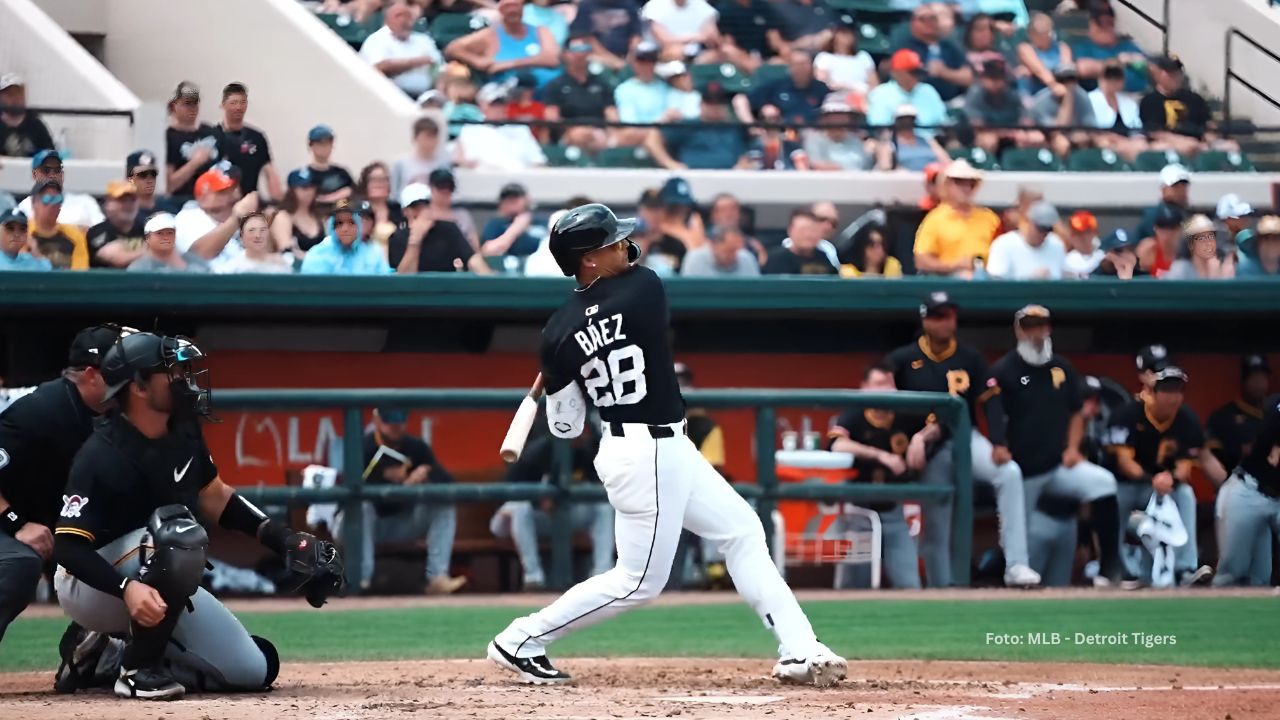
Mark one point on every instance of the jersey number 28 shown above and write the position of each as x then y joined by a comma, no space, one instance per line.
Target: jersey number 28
596,375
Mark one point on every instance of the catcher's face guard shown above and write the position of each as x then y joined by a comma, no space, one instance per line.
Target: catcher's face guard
189,381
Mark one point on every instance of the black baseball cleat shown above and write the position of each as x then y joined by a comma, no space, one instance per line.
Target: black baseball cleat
533,671
79,650
150,683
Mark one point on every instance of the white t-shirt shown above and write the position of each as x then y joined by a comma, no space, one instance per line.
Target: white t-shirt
681,21
77,209
1011,258
382,45
848,72
274,265
688,103
504,147
1079,265
194,223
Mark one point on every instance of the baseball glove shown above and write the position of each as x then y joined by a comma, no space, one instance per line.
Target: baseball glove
318,564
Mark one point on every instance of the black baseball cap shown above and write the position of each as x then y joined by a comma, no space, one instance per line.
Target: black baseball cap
1090,387
139,160
1032,316
995,68
1153,357
511,190
1250,364
442,177
1168,63
676,191
393,415
936,302
1168,216
1100,9
91,345
1118,239
1171,377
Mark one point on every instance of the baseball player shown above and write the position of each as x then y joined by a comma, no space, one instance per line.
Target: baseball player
1233,427
879,440
1153,443
1035,409
1150,360
937,362
39,435
608,347
130,550
1248,507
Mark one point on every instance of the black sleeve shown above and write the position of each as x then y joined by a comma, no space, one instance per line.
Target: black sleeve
396,246
459,247
843,427
373,475
1192,439
347,180
1074,400
87,502
173,152
39,133
552,379
264,147
997,418
1151,111
77,555
534,461
437,474
776,264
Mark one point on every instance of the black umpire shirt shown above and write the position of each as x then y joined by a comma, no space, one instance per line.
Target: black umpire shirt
1232,429
611,339
880,429
121,476
1263,459
959,371
1038,403
39,435
1157,447
414,448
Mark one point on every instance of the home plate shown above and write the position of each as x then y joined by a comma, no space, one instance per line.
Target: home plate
727,699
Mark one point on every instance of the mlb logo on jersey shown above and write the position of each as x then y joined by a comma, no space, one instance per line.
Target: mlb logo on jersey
72,505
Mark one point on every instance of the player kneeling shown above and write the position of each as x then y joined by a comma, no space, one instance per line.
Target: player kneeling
130,551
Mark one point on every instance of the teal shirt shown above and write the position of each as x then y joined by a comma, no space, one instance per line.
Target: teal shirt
330,258
25,262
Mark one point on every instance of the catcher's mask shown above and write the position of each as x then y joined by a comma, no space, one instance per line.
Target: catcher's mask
136,356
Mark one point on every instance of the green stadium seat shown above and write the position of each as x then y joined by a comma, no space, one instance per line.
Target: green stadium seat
625,157
874,38
1030,160
448,27
565,156
1096,160
1220,161
977,157
729,77
769,73
1155,160
352,33
868,7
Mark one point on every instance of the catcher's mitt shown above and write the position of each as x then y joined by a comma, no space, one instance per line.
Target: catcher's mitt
317,564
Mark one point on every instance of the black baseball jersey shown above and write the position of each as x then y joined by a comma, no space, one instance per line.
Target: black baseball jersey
415,449
1038,402
39,435
960,371
1156,447
121,476
611,339
881,429
1232,429
1263,459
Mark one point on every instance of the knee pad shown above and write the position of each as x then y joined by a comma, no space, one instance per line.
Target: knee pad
174,551
272,656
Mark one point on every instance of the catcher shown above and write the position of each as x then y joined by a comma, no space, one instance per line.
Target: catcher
130,551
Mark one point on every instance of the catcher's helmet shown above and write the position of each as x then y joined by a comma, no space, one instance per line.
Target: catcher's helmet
138,355
586,228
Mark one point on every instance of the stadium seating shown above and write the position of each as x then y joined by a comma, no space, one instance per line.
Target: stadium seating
1030,160
1153,160
1219,161
1096,160
625,157
565,156
977,157
450,26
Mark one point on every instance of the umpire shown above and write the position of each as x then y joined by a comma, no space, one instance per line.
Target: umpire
39,435
1036,408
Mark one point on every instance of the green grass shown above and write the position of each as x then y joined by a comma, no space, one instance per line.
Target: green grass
1220,632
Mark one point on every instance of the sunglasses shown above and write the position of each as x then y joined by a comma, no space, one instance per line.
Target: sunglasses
145,174
50,199
50,169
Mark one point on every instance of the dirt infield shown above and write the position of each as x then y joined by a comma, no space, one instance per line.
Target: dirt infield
694,689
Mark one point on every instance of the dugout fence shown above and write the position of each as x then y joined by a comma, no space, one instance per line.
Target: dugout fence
766,491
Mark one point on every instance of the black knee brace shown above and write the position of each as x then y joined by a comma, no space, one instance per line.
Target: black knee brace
272,657
174,552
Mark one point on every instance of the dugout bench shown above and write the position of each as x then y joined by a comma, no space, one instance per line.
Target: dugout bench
766,491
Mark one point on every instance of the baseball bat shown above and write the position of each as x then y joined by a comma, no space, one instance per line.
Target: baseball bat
518,433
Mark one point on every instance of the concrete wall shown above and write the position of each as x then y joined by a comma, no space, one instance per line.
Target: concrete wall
87,17
1198,35
297,70
60,73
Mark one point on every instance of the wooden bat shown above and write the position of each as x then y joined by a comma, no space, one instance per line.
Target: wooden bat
518,433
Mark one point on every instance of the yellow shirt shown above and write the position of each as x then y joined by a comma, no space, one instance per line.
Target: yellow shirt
65,247
950,236
892,269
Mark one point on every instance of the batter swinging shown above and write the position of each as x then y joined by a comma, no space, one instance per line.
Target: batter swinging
608,346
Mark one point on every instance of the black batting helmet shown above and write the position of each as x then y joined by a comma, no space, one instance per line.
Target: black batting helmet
586,228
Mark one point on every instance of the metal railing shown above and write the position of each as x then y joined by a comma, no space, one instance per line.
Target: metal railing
1230,74
950,411
1162,25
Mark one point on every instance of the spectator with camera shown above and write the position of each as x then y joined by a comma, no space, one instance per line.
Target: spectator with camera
1157,254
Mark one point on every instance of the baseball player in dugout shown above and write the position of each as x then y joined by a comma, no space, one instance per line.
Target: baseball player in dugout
39,435
1233,427
130,551
938,362
1248,506
1154,442
1035,409
608,347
